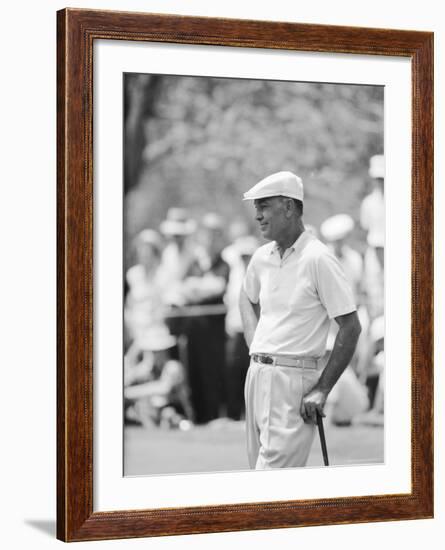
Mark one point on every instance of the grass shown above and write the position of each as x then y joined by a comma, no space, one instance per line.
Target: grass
220,446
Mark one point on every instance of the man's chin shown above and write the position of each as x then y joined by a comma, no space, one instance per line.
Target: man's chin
265,233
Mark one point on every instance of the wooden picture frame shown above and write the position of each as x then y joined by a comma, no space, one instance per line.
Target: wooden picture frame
76,32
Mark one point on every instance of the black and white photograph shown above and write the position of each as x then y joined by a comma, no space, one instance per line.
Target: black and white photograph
223,279
253,280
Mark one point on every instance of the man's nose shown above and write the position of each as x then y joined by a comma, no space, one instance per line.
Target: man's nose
258,215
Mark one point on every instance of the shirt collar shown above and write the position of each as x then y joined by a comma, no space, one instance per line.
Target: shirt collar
297,245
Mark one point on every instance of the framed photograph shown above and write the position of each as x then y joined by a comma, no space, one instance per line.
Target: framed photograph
175,417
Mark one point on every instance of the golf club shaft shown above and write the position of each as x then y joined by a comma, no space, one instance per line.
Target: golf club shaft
324,449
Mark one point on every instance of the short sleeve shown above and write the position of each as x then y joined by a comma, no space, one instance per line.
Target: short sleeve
251,283
333,288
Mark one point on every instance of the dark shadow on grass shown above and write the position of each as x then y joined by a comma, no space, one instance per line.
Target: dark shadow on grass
47,526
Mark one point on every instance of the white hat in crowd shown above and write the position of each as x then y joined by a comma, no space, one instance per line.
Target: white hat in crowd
177,223
150,236
377,166
157,338
212,221
285,184
337,227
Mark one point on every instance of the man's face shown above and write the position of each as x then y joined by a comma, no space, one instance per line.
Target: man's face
271,215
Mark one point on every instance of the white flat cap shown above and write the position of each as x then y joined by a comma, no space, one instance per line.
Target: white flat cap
285,184
177,223
156,338
337,227
377,166
212,221
150,236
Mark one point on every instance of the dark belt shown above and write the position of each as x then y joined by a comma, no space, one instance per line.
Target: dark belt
285,361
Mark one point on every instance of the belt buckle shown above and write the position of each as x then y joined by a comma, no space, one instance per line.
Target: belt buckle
258,358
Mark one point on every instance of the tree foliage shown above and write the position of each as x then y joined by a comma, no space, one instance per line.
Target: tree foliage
200,142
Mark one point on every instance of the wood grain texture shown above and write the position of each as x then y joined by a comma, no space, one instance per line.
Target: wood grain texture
76,32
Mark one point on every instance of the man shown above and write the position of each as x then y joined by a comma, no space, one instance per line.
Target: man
372,219
156,389
144,306
204,288
293,286
336,231
372,209
238,256
349,396
178,255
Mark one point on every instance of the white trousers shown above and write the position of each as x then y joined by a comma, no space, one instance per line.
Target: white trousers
277,436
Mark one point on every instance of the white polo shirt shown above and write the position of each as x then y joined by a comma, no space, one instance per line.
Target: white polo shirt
298,294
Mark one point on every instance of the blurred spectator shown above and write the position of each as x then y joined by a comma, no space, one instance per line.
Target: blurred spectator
239,254
156,392
372,210
205,286
143,306
335,231
373,282
238,229
372,218
347,399
372,365
372,371
178,255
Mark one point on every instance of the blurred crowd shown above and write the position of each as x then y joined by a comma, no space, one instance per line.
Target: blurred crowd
185,357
